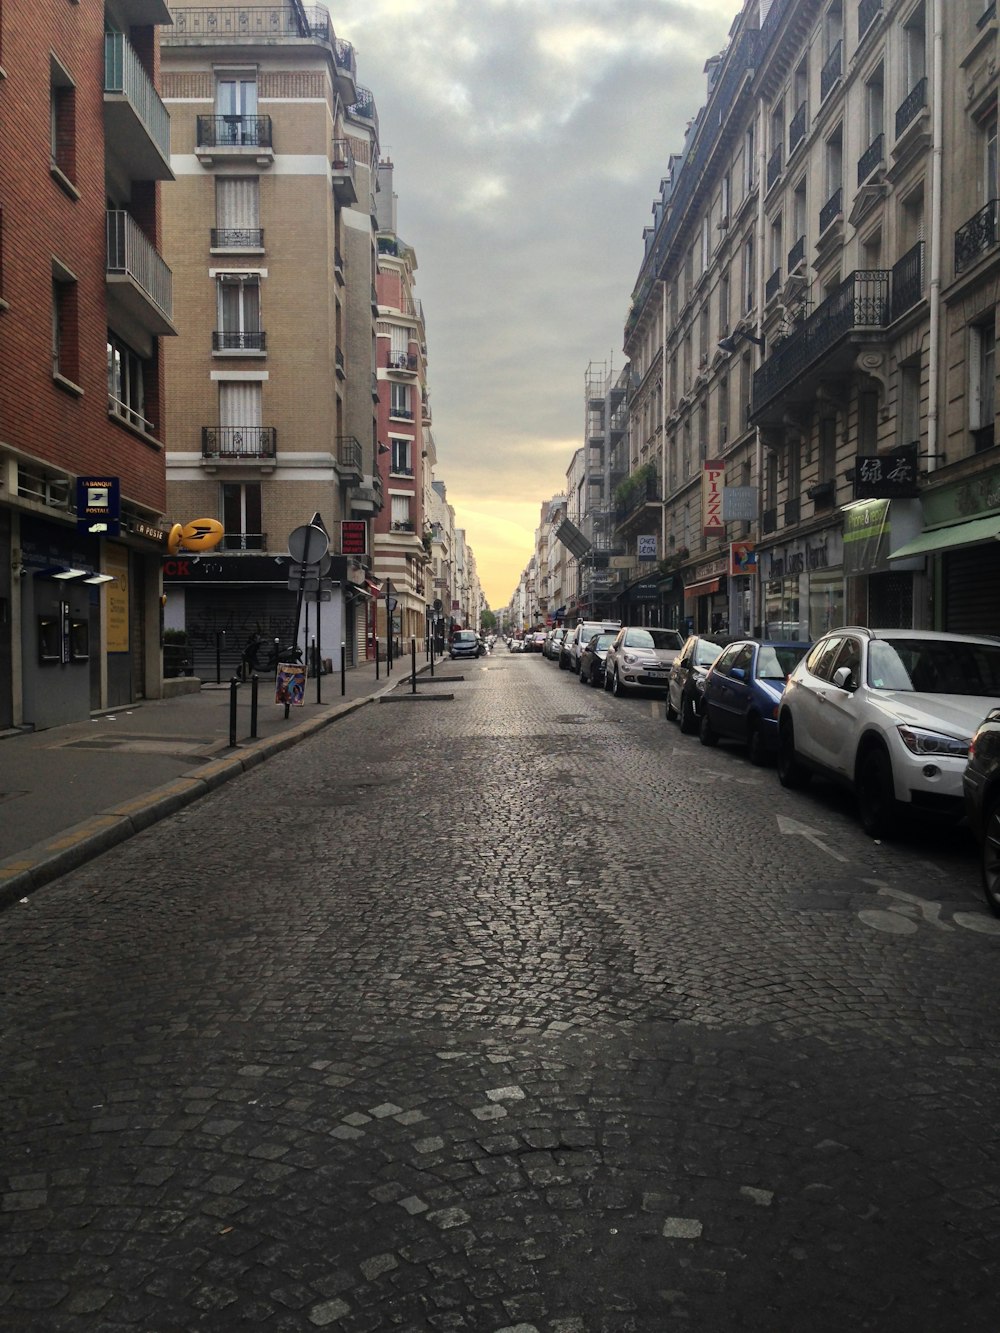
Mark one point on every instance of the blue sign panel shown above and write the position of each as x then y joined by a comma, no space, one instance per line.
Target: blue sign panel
98,506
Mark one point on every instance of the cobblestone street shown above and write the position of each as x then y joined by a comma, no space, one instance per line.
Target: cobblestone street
520,1011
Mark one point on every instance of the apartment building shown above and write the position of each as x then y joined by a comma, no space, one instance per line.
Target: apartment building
815,313
85,298
274,145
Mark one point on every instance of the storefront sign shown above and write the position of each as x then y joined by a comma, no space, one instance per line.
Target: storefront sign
646,547
116,599
712,476
866,528
742,558
354,536
886,476
151,531
98,506
644,592
739,504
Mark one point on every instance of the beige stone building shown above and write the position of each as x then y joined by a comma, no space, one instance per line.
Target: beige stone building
272,381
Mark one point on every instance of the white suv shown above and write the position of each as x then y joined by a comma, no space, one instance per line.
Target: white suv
890,713
574,643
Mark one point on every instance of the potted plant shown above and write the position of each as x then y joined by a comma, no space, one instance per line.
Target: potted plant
178,659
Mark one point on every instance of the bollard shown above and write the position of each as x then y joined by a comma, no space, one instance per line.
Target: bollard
432,655
343,669
376,657
413,665
220,634
234,685
253,706
316,668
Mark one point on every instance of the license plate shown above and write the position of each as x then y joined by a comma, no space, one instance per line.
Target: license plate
654,672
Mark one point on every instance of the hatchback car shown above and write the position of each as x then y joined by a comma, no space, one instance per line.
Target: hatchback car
593,657
578,638
743,689
641,658
981,783
687,680
890,713
465,643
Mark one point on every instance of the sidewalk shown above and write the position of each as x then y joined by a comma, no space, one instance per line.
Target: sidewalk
69,793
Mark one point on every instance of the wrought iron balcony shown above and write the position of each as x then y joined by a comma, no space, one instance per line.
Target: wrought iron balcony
408,361
772,286
831,71
911,106
135,120
868,12
365,107
796,254
349,454
238,441
237,238
831,210
345,58
872,157
143,282
239,340
234,132
400,413
635,502
244,541
908,280
226,25
977,236
774,164
342,167
797,129
861,302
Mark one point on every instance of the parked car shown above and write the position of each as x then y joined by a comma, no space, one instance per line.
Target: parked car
890,713
641,658
981,784
552,642
592,659
465,643
687,680
581,636
515,645
743,689
537,641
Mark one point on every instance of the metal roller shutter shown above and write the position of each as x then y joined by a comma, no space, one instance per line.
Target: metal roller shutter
235,613
972,590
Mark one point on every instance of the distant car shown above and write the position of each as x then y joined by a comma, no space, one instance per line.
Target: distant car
515,645
890,714
687,680
641,658
578,639
552,641
465,643
593,657
538,641
981,784
743,689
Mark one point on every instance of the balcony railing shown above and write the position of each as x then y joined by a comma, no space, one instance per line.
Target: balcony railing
238,441
868,12
239,340
908,280
774,164
225,24
913,103
133,255
647,492
400,413
796,254
365,107
773,285
349,453
237,238
860,302
831,71
797,129
342,167
234,132
977,236
402,361
124,75
872,157
244,541
344,55
831,210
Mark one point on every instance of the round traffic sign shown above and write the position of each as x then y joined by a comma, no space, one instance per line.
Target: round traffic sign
308,544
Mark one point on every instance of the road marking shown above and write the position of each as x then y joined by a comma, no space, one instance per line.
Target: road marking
793,827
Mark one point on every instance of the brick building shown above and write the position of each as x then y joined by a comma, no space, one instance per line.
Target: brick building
85,298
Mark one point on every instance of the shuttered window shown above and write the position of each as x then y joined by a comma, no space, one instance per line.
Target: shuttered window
237,202
239,403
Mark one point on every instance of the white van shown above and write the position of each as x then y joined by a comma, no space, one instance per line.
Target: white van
574,645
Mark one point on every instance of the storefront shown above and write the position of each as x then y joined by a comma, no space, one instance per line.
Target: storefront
803,587
706,598
879,592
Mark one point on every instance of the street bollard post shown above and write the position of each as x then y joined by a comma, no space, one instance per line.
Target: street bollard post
234,685
220,634
316,668
432,654
253,706
343,669
376,657
413,664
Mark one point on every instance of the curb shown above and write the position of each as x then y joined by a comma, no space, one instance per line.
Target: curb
38,865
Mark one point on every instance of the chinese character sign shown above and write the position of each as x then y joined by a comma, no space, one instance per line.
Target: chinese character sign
886,476
712,479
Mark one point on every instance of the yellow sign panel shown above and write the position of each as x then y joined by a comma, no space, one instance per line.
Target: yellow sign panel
116,598
202,534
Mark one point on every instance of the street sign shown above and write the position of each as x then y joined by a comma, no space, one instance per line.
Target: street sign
392,603
308,544
312,568
324,595
308,584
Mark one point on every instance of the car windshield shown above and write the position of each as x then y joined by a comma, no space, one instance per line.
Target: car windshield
652,638
705,653
934,666
465,636
601,641
776,661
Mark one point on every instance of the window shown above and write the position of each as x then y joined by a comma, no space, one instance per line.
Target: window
909,403
703,432
400,513
705,243
793,482
875,105
236,109
65,325
750,158
62,124
982,382
799,213
239,404
242,516
239,313
399,401
725,200
703,336
988,189
867,423
915,49
724,303
237,212
827,449
126,394
835,162
749,276
400,461
723,411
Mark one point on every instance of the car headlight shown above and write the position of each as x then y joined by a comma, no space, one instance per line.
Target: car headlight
920,741
630,658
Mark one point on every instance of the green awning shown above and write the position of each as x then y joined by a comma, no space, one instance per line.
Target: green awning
951,538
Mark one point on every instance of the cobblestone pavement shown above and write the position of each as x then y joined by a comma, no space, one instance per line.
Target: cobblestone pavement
516,1012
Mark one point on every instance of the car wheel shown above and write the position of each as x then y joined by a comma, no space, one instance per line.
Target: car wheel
706,732
595,680
791,774
876,796
991,855
756,751
606,682
583,678
562,663
689,715
617,689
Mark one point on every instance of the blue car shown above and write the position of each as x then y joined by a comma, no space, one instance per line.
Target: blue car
742,693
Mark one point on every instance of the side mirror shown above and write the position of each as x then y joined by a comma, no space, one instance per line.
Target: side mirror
738,673
842,678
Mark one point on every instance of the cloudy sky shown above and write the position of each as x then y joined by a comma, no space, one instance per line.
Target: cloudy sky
529,138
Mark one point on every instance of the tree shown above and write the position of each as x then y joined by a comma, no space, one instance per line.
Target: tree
488,620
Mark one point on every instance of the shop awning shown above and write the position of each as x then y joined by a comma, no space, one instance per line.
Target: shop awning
701,589
951,538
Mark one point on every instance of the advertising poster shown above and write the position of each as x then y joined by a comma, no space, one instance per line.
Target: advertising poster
290,684
116,598
742,558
